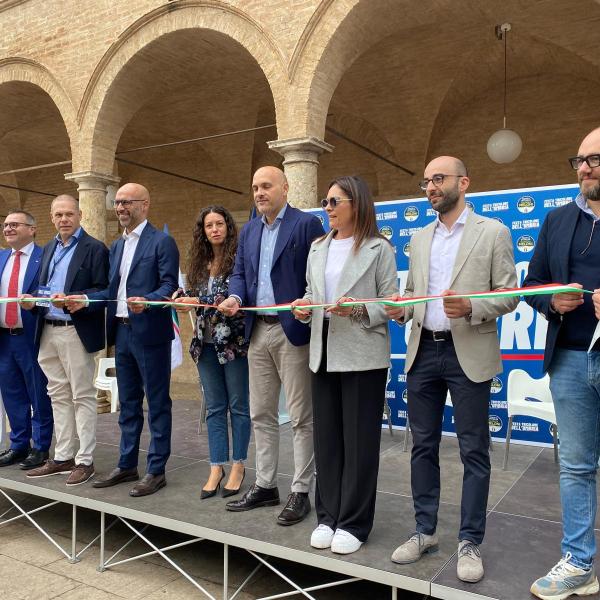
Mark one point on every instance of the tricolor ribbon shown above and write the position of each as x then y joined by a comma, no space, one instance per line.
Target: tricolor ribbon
536,290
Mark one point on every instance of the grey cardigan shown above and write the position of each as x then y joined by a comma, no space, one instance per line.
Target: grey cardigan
369,273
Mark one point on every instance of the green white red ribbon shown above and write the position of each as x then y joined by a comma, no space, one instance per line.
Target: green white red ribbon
537,290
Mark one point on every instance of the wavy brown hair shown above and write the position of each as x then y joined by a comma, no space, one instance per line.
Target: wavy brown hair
365,224
201,251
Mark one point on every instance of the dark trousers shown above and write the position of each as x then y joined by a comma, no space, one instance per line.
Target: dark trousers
25,394
143,368
435,371
347,411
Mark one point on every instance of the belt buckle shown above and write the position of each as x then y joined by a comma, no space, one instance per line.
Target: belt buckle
439,336
13,331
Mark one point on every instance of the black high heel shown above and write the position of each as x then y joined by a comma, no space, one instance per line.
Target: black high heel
232,492
204,494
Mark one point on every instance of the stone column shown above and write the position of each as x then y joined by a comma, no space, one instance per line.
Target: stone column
92,187
301,159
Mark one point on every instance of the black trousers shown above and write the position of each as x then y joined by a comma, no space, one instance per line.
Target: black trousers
435,371
347,412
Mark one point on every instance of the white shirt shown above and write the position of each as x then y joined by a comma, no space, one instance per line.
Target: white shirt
25,256
338,253
444,248
131,242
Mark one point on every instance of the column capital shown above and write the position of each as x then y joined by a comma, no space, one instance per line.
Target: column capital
295,150
92,180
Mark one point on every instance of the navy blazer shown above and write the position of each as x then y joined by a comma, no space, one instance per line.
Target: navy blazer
550,264
30,286
297,231
154,275
87,273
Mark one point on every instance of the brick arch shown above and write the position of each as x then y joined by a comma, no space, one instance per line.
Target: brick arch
101,130
24,70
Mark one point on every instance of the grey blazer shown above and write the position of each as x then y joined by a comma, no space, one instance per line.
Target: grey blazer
484,262
370,273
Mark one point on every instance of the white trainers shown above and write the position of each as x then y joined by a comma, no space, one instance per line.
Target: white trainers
344,542
564,580
321,537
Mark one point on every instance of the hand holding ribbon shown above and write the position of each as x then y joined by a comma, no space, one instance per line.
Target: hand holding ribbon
75,302
395,313
339,308
26,304
567,301
137,304
456,307
185,304
298,313
229,306
596,301
58,300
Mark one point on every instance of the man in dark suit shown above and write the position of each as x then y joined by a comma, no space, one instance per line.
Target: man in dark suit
568,251
22,383
270,268
73,262
144,265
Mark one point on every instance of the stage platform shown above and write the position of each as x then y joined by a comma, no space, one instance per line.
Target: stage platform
522,540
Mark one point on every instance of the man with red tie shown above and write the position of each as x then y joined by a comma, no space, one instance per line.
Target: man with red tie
22,383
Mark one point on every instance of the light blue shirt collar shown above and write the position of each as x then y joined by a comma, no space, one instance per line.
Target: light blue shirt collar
278,218
583,205
74,237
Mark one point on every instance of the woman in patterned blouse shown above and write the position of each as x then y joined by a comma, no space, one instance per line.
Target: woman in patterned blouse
218,347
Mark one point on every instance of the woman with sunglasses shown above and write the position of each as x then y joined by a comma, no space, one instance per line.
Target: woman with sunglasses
218,347
349,360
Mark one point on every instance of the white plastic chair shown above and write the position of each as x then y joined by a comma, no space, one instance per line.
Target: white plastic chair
521,388
106,382
2,424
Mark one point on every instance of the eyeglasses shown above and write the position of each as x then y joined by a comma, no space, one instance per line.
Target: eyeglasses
592,160
334,201
437,180
14,225
126,203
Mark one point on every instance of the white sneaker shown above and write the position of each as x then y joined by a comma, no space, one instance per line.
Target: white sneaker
321,537
344,542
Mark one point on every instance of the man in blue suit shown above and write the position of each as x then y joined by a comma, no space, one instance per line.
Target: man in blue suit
73,262
144,265
270,268
22,382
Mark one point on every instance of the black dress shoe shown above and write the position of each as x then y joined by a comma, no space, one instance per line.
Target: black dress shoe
148,484
35,458
10,457
253,498
204,494
297,507
116,476
231,491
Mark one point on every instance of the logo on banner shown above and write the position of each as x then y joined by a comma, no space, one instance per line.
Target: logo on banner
470,205
525,204
406,249
411,213
386,231
525,243
405,396
495,423
496,385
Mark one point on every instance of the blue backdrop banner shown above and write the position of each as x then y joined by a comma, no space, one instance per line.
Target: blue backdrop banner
522,332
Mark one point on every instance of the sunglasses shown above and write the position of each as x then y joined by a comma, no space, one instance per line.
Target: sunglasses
334,201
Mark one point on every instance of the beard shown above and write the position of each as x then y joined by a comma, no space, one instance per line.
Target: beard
445,201
590,192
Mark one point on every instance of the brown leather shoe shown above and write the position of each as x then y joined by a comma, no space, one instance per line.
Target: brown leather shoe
148,484
116,476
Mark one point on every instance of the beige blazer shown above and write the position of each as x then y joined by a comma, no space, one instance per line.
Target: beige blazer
484,262
370,273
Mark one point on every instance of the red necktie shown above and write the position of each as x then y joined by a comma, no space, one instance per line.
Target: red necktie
13,292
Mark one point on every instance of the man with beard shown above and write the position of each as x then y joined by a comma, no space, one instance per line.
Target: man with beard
568,250
453,347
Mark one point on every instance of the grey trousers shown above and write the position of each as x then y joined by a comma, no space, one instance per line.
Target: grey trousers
273,361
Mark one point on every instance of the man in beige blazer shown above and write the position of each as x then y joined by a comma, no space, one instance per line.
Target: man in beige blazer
454,347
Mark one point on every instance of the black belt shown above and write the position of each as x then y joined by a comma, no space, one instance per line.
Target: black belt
123,320
436,336
58,323
268,319
12,330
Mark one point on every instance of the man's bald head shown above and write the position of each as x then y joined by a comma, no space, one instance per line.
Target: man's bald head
447,165
132,203
65,198
448,196
270,188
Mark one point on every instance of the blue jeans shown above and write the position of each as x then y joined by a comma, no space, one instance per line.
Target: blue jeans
575,387
225,389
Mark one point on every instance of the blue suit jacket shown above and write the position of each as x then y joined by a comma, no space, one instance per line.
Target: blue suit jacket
154,275
550,264
87,273
30,286
288,272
